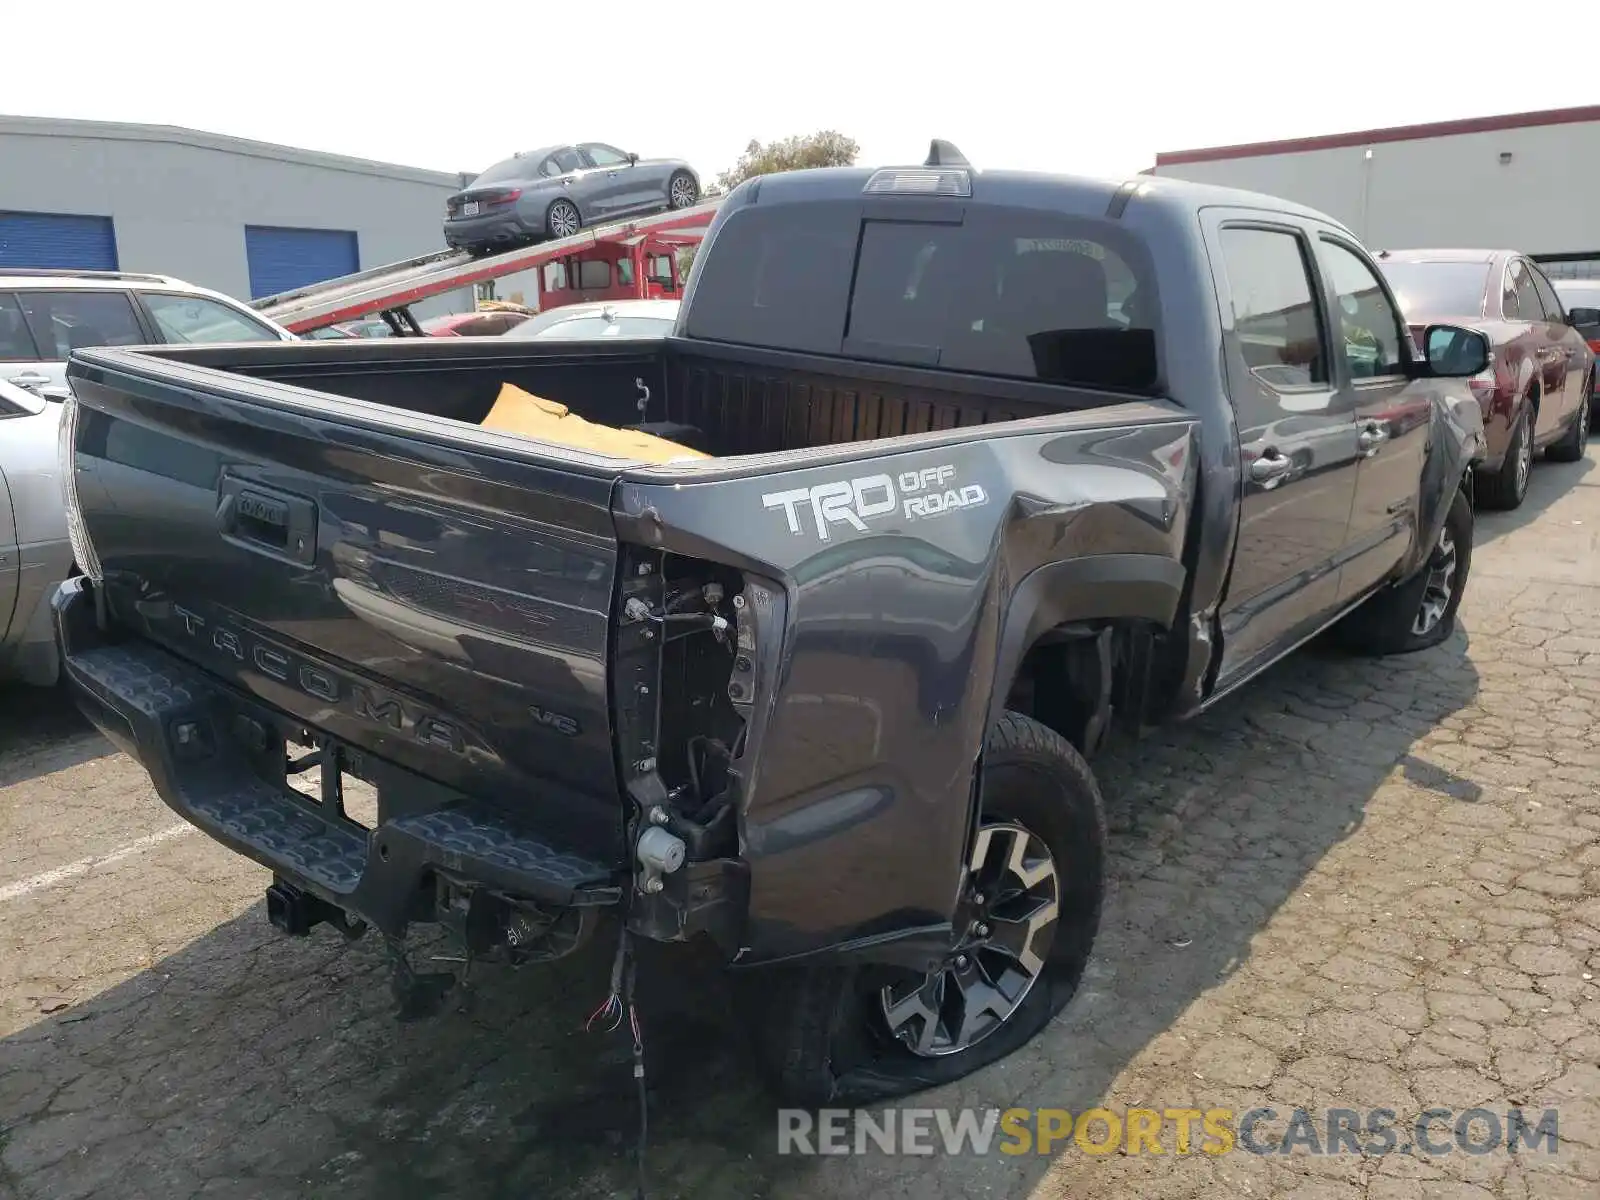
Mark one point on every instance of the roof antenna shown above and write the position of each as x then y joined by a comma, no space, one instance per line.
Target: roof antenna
944,154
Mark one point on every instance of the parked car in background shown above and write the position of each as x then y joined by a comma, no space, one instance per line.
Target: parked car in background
45,315
1581,297
35,553
555,191
474,324
1541,373
603,319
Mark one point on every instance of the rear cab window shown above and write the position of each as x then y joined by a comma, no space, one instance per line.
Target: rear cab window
1011,292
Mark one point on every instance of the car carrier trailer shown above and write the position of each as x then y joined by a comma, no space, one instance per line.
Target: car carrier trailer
390,290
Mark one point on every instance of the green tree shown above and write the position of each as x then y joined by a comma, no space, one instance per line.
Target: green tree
827,148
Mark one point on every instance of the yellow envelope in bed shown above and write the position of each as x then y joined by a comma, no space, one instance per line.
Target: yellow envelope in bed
517,411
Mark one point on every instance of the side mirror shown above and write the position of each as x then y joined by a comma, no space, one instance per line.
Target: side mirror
1454,352
632,158
1583,316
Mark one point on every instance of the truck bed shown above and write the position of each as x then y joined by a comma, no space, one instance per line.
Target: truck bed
739,401
316,545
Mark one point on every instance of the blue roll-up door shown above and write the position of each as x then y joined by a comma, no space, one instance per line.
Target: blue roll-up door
282,259
57,241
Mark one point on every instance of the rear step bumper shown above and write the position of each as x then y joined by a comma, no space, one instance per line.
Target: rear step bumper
179,723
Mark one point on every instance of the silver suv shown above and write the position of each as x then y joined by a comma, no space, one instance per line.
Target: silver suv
45,315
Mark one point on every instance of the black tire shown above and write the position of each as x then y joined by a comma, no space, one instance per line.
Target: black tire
562,219
1508,487
682,190
821,1032
1392,622
1574,444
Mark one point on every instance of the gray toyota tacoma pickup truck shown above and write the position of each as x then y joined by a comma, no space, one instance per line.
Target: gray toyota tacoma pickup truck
999,464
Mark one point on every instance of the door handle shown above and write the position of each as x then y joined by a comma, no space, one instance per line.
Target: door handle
29,379
1372,435
1270,467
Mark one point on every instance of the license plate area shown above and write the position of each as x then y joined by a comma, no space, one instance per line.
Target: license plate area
330,775
469,209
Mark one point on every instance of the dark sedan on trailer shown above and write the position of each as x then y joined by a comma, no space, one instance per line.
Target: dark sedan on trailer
1535,390
555,191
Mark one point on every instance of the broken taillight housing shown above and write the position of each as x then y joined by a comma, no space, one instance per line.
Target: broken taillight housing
66,461
1483,385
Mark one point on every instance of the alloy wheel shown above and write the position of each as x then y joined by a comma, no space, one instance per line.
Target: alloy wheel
564,219
683,192
1436,593
1524,466
1007,919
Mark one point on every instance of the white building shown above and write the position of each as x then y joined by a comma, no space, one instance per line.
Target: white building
1513,182
246,218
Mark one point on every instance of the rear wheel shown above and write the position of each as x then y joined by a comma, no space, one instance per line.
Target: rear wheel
1507,487
563,219
1574,444
682,191
1024,927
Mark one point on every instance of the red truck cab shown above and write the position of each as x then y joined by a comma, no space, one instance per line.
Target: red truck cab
643,266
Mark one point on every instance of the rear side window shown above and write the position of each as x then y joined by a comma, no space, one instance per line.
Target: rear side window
1010,292
62,322
594,274
1518,299
16,343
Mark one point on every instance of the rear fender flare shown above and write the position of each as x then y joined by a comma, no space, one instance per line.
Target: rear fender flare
1118,587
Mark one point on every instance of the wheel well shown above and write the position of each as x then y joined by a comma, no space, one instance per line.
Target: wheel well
1075,679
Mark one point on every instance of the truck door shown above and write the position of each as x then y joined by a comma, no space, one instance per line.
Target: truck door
1297,438
1393,413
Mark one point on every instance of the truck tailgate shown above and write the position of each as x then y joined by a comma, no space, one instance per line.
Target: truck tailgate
421,591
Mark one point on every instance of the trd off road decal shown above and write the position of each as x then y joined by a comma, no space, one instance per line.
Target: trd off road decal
911,495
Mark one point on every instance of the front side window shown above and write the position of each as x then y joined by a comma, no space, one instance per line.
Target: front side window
1275,313
1548,300
625,271
605,156
64,321
1367,330
199,319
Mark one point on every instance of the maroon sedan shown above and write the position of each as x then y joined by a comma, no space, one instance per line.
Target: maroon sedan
1535,391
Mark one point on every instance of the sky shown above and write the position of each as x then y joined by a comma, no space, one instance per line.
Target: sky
1091,88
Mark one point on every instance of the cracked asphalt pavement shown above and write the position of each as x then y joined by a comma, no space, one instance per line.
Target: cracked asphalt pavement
1355,884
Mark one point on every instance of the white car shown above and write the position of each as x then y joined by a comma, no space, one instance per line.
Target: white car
35,554
599,319
45,315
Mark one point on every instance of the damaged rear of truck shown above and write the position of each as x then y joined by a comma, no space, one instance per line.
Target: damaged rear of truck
821,698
